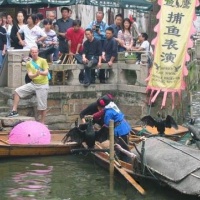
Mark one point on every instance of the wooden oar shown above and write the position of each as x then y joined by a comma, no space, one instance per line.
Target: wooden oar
128,177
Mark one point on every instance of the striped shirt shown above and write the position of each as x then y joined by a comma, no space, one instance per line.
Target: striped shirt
51,37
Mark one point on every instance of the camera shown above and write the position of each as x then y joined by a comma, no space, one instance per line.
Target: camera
97,28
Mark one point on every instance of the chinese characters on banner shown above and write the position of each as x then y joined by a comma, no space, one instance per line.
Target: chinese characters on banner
171,44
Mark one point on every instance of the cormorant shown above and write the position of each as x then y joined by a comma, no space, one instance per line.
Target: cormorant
160,123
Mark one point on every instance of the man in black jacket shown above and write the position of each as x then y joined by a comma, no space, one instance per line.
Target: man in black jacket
109,53
91,57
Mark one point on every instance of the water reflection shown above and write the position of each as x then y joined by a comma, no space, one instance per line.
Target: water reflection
74,177
32,184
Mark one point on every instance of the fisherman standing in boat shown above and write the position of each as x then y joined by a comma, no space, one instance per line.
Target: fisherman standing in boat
112,112
121,126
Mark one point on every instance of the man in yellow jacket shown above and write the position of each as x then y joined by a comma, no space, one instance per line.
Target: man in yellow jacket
37,70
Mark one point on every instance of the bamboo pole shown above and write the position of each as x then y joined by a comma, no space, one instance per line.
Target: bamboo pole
111,137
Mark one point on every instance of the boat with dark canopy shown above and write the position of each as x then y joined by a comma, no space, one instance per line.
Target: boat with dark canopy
158,158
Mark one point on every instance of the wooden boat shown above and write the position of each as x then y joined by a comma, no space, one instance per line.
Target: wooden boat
163,160
153,130
56,147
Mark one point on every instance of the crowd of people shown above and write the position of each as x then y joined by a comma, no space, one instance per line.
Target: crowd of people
49,37
91,46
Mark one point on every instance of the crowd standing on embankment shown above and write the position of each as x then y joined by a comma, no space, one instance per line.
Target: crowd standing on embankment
54,38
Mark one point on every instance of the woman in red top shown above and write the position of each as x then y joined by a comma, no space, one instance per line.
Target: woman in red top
74,36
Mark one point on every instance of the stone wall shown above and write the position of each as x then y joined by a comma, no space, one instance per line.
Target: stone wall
67,99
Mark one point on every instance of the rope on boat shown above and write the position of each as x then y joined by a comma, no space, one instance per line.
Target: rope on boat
136,148
144,162
149,170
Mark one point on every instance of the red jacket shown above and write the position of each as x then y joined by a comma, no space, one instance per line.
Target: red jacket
76,38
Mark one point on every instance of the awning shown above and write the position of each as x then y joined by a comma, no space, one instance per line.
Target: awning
2,2
63,2
128,4
23,2
105,3
136,4
41,2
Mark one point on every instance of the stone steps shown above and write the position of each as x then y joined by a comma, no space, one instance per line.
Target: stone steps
11,121
3,114
2,101
4,109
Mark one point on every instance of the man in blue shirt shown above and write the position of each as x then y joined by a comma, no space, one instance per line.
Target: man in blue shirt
99,27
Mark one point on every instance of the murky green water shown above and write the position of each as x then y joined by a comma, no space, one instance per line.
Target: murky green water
74,177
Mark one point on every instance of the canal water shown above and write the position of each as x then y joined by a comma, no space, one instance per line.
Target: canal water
73,177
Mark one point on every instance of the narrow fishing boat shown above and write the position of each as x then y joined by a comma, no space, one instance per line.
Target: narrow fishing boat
55,147
169,132
161,159
158,158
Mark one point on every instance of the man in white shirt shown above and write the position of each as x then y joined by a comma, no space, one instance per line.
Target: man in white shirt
145,46
33,34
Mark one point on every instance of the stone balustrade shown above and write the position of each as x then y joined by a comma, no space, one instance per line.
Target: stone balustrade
65,100
197,49
16,72
122,76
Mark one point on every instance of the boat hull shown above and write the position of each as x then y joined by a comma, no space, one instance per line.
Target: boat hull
186,183
36,150
56,147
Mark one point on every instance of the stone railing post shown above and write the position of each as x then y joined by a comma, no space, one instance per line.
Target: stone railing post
15,68
197,49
